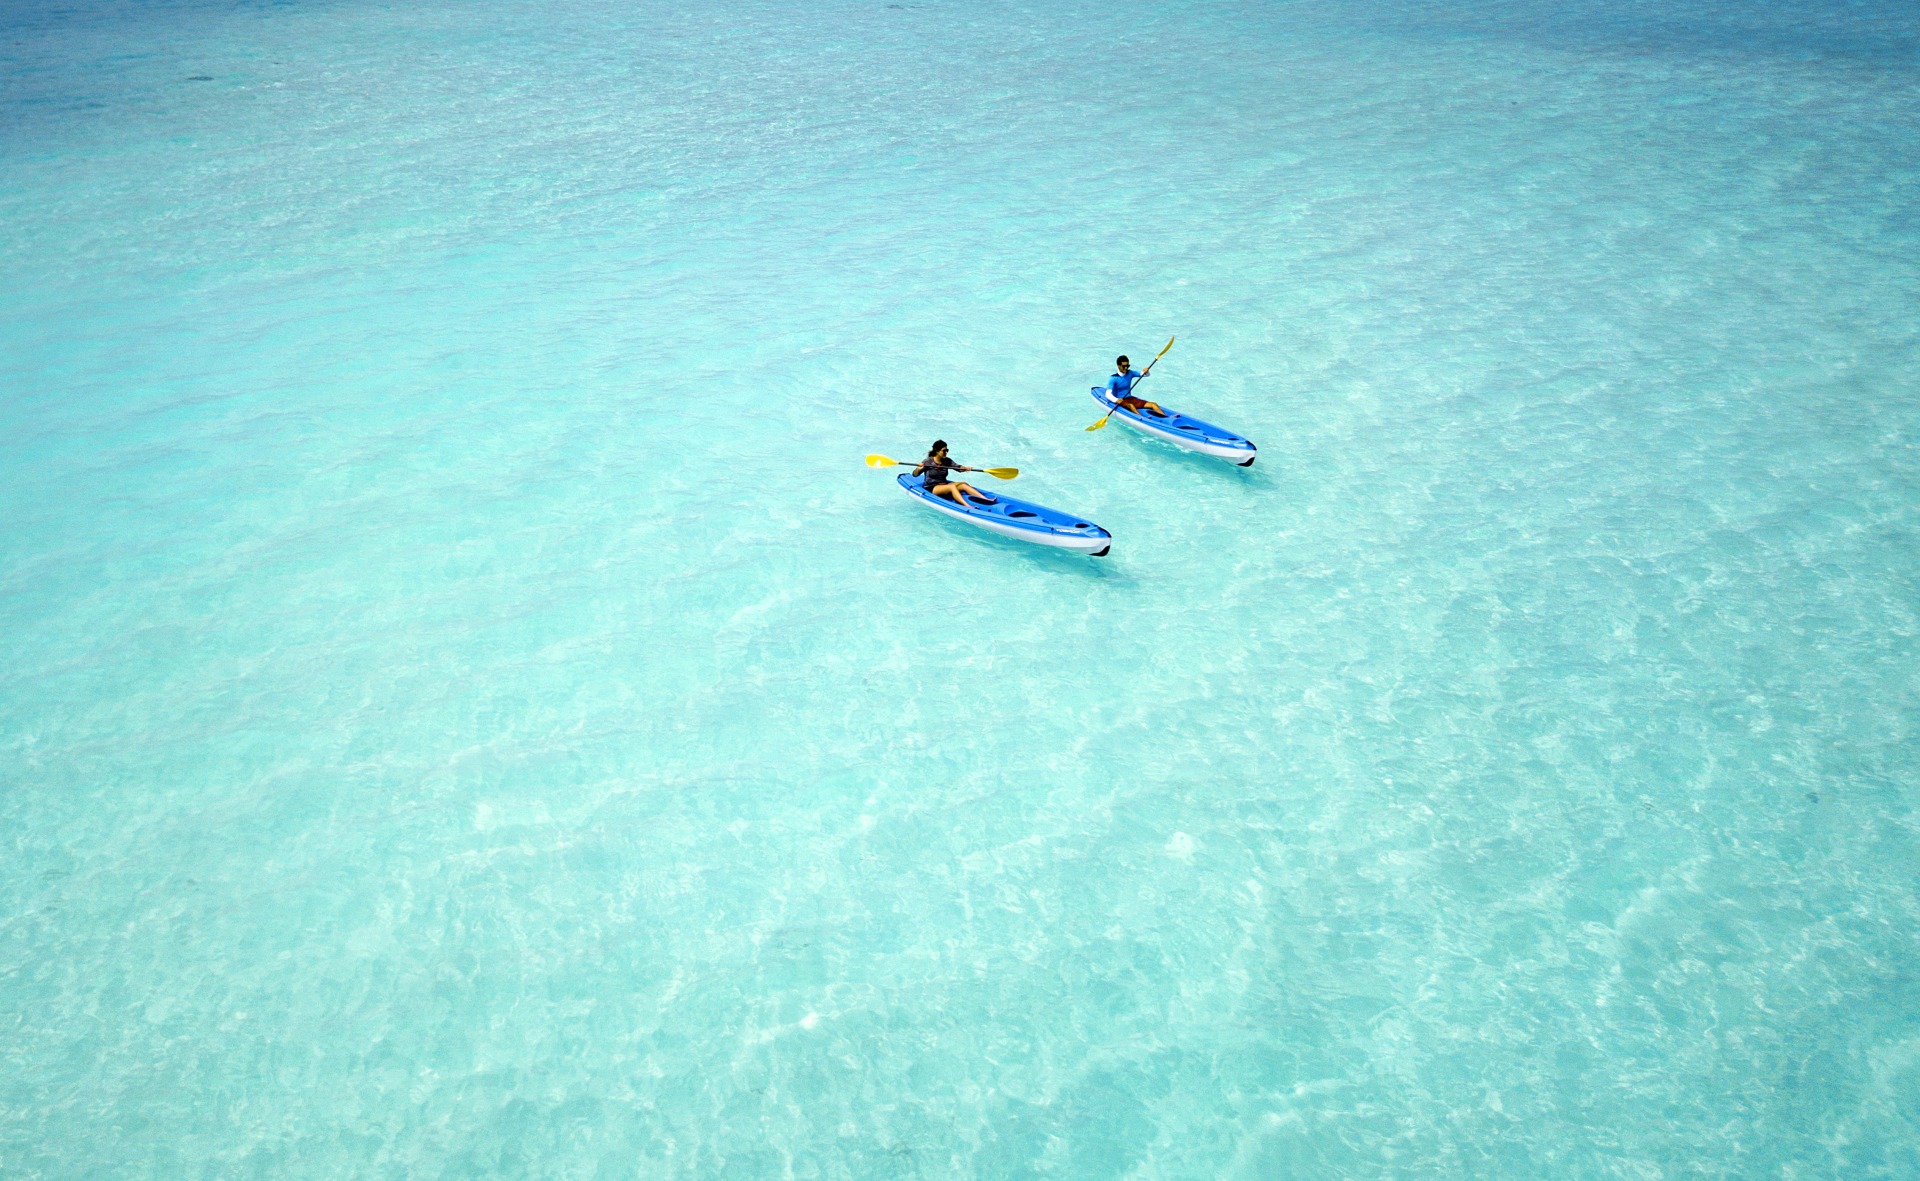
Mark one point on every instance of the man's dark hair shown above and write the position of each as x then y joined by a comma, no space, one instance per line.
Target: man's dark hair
1122,360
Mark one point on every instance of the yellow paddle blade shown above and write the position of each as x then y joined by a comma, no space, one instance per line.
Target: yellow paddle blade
1163,352
1001,473
1103,422
881,461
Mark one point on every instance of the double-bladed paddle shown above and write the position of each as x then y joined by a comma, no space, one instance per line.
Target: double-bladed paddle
998,473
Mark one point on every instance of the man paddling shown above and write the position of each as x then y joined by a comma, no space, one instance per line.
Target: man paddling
1121,386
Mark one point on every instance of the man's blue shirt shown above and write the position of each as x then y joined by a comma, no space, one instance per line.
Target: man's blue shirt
1121,384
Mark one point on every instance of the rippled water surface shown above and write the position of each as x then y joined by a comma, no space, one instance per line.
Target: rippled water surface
467,711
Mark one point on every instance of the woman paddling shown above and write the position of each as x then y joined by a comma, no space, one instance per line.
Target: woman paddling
934,471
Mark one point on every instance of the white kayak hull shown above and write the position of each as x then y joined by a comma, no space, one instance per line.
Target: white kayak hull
1184,431
1020,520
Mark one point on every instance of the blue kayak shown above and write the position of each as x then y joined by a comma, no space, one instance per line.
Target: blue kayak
1019,519
1184,430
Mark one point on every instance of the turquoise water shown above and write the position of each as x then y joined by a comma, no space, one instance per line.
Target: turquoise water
468,712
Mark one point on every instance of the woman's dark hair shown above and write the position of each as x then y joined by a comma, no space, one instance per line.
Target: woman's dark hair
1122,360
934,450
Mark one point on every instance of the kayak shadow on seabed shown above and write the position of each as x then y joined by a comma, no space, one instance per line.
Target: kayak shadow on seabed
1259,475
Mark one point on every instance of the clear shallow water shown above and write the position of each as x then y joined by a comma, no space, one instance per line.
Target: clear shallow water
467,711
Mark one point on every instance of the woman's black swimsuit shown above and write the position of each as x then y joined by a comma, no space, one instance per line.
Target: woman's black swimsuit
934,472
